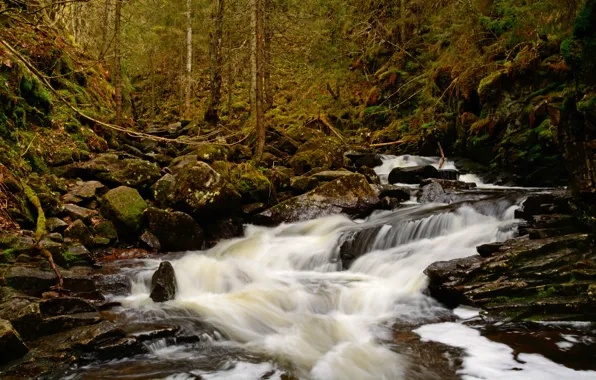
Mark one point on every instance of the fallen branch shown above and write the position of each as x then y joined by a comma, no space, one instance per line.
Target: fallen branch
323,119
40,231
442,155
386,144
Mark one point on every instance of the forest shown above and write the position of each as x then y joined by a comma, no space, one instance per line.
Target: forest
235,184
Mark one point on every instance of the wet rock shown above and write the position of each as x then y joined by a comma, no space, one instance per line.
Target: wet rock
222,229
163,187
114,284
552,221
28,320
544,204
433,192
487,250
330,175
302,184
125,207
11,345
412,174
388,203
364,158
201,191
449,184
150,241
449,174
163,283
253,208
35,282
52,325
392,191
78,231
78,254
65,305
349,194
55,225
175,230
542,279
79,213
370,174
150,331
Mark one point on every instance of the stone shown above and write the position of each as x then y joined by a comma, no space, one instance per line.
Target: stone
433,192
240,153
89,189
175,230
78,254
202,192
370,174
113,284
35,282
180,162
65,305
28,320
105,229
449,184
211,152
251,183
55,237
11,345
302,184
223,229
412,174
253,208
318,152
163,283
163,187
350,194
78,231
125,207
330,175
449,174
150,331
55,224
487,250
364,158
150,241
393,191
79,213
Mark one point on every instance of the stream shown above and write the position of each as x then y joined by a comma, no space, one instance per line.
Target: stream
281,303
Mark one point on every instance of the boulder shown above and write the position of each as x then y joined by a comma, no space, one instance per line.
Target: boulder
364,158
78,231
433,192
449,174
77,254
330,175
302,184
211,152
251,183
79,213
150,241
393,191
163,283
350,194
175,230
412,174
371,176
487,250
222,229
125,207
55,225
321,152
88,190
163,187
11,345
65,305
201,191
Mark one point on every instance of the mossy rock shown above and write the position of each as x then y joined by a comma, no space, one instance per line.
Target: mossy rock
175,230
212,152
163,187
251,183
303,134
240,153
124,206
325,153
136,173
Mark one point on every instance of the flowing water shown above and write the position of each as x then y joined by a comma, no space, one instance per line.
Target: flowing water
335,298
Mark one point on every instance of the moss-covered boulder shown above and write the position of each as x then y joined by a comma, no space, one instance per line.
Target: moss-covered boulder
175,230
11,345
302,184
323,152
350,194
251,183
240,153
201,191
163,188
212,152
125,207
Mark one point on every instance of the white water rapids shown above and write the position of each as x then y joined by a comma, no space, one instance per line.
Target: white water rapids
281,292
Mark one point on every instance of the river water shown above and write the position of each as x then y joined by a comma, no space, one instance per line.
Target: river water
280,303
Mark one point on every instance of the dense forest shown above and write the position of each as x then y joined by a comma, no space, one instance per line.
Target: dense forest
130,128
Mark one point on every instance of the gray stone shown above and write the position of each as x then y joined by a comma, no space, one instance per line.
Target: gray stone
163,283
11,345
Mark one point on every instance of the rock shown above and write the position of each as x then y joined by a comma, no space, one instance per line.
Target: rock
449,184
223,229
487,250
388,203
253,208
201,191
88,190
65,305
175,230
150,241
55,237
543,279
11,345
150,331
280,177
35,282
55,225
240,153
393,191
433,192
114,284
553,221
330,175
349,194
364,158
79,213
78,254
125,207
370,174
180,162
303,184
449,174
318,152
412,174
211,152
549,203
78,231
163,283
163,187
105,229
251,183
28,320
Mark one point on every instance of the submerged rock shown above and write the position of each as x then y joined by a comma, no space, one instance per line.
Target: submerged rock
350,194
412,174
175,230
11,345
163,283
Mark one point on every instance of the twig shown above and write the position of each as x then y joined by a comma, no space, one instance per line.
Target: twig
386,144
442,155
29,146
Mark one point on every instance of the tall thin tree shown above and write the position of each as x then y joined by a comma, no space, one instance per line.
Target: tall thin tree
257,74
118,60
188,78
217,14
267,38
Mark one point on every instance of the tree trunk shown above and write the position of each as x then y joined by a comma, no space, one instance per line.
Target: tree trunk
118,59
402,14
188,81
212,114
268,34
230,73
257,75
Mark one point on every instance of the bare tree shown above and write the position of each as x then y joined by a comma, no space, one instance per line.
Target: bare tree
257,74
118,60
188,81
212,113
